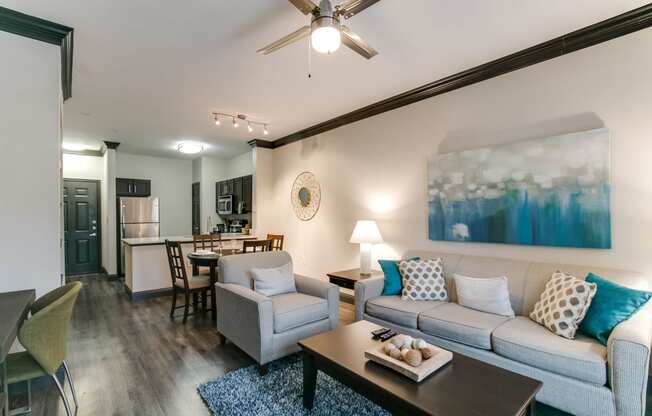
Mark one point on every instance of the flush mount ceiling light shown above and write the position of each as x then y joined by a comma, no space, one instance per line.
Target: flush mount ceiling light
325,30
236,118
190,148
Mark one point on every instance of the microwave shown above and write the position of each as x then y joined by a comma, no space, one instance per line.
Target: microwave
225,204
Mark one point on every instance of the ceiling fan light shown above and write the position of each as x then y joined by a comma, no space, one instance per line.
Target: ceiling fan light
325,39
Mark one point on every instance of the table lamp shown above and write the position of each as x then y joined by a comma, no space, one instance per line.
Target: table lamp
366,234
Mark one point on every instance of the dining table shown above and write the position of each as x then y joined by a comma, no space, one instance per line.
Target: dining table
14,308
210,261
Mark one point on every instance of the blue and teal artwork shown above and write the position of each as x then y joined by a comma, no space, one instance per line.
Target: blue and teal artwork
547,192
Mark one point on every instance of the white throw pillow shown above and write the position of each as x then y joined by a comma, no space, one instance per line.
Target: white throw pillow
484,294
423,279
274,281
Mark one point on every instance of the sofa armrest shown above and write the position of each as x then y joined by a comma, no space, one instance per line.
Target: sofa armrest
366,289
628,356
318,288
246,318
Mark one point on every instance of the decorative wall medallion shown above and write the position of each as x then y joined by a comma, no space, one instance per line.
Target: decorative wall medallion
305,196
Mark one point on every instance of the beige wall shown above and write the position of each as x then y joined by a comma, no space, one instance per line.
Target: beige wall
31,252
83,167
171,183
376,168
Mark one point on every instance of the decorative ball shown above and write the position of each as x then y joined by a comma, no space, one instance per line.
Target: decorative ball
389,347
398,341
404,352
418,343
407,341
427,352
413,357
395,353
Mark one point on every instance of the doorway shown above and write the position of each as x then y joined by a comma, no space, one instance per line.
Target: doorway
196,209
81,214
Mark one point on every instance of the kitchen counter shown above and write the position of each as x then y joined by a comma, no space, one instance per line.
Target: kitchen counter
153,241
147,270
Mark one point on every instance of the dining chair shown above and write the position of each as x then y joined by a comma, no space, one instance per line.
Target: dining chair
212,242
181,283
44,336
252,246
206,241
277,241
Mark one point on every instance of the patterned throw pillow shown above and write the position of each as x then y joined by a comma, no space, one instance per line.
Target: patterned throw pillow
563,304
423,279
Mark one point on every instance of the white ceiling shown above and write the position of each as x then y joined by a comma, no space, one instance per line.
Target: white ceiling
148,73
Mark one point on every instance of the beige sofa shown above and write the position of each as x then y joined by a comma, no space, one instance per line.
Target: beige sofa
579,376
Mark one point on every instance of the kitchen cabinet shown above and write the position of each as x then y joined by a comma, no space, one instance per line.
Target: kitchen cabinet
241,188
226,187
133,187
247,192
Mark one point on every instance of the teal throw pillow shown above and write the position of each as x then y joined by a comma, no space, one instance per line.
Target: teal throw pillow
611,305
393,282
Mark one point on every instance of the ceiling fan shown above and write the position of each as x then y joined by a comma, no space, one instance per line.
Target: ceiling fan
325,30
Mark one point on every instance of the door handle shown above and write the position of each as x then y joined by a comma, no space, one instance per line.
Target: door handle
135,188
130,185
92,235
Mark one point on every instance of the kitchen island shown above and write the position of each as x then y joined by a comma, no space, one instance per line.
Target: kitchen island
147,271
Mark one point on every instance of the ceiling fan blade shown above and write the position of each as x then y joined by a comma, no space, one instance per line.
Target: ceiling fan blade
285,40
354,42
353,7
304,6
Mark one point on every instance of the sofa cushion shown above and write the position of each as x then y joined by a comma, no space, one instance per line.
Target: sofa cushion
399,311
526,341
464,325
292,310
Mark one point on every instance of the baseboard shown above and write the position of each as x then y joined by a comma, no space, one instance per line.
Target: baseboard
147,294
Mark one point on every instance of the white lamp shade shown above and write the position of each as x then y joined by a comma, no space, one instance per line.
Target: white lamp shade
366,232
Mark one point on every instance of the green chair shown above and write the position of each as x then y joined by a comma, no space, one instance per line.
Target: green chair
44,336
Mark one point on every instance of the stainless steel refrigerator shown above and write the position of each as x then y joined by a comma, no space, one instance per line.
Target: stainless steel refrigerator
139,217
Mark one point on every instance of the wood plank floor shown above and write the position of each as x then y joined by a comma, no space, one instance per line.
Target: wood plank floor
131,359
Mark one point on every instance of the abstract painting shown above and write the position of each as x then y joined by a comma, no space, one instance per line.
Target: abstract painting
553,191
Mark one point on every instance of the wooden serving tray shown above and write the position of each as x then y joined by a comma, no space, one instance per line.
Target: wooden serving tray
427,367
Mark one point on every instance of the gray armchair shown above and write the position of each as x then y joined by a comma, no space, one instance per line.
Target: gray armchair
268,327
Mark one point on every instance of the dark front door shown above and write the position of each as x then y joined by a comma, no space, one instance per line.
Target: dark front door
195,209
81,220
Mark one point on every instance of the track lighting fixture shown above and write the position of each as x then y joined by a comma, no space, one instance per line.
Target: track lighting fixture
236,121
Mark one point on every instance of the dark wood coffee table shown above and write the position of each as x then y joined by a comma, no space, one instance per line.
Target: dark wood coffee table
464,386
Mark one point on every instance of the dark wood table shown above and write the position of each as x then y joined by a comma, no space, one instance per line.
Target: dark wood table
347,278
211,263
14,308
464,386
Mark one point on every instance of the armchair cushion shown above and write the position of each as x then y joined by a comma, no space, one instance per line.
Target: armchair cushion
292,310
274,281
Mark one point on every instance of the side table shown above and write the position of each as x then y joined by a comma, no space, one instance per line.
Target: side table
346,279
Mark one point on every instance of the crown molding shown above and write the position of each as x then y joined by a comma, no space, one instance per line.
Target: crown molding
111,145
98,153
45,31
261,143
603,31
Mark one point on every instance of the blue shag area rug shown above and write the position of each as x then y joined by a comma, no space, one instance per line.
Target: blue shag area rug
280,392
